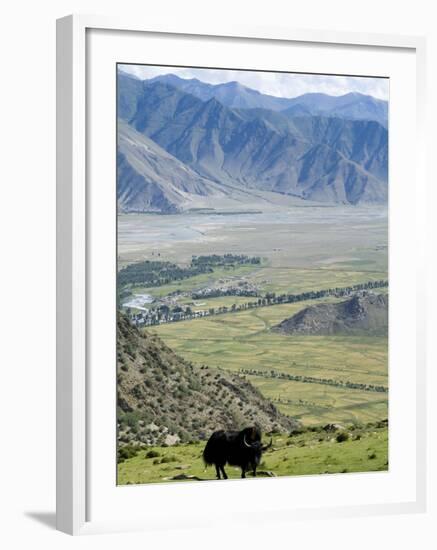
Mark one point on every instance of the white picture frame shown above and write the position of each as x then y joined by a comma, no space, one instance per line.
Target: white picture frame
73,211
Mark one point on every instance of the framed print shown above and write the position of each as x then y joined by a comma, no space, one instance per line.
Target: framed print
240,310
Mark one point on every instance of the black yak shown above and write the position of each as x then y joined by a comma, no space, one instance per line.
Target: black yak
243,449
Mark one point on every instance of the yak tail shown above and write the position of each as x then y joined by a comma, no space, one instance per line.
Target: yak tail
206,460
207,456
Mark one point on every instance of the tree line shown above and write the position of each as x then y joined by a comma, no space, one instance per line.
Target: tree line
314,380
225,260
168,314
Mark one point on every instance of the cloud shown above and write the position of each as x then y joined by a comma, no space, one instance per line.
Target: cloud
277,84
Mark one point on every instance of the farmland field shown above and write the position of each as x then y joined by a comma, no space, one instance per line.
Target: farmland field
243,341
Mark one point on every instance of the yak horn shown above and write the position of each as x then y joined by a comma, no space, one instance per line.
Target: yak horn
246,443
268,446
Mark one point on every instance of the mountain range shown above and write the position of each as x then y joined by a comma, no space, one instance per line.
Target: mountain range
186,144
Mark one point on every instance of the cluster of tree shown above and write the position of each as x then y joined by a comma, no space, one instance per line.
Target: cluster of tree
158,273
314,380
225,260
122,295
163,314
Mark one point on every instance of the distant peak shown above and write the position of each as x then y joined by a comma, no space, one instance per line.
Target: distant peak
170,77
121,72
357,95
233,84
165,78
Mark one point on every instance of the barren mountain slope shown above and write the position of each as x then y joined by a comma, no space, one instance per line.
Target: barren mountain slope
164,399
361,314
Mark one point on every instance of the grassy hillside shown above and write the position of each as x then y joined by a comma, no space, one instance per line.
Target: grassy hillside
164,399
314,451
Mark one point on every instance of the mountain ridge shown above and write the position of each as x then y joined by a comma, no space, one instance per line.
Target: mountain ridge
352,105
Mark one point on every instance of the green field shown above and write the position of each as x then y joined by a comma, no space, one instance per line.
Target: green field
243,340
309,453
297,280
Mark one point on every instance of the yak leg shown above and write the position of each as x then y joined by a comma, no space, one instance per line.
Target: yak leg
217,469
254,471
222,468
243,472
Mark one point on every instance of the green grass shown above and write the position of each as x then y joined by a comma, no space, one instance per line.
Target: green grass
310,453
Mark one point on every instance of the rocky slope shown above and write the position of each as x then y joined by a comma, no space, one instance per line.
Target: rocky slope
150,179
164,399
366,313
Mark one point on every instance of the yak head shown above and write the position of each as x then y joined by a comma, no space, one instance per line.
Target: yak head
252,441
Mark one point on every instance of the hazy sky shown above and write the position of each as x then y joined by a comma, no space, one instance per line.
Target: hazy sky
277,84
